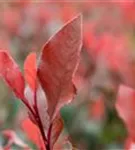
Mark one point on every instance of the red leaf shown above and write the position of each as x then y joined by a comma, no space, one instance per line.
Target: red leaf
11,74
58,63
125,106
33,133
30,70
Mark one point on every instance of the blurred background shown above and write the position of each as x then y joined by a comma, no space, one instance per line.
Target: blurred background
107,60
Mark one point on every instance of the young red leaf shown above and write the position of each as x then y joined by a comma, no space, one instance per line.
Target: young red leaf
33,133
11,74
125,106
30,73
30,70
58,63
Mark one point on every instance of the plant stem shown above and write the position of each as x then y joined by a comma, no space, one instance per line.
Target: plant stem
49,135
47,147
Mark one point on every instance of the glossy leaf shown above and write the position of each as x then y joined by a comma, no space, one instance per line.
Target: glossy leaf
58,63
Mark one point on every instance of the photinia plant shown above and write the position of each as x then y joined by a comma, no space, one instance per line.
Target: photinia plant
47,83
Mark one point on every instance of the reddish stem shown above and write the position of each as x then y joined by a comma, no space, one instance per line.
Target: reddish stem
25,101
49,136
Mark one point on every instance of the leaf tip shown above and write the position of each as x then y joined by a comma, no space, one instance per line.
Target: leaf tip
78,22
78,17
